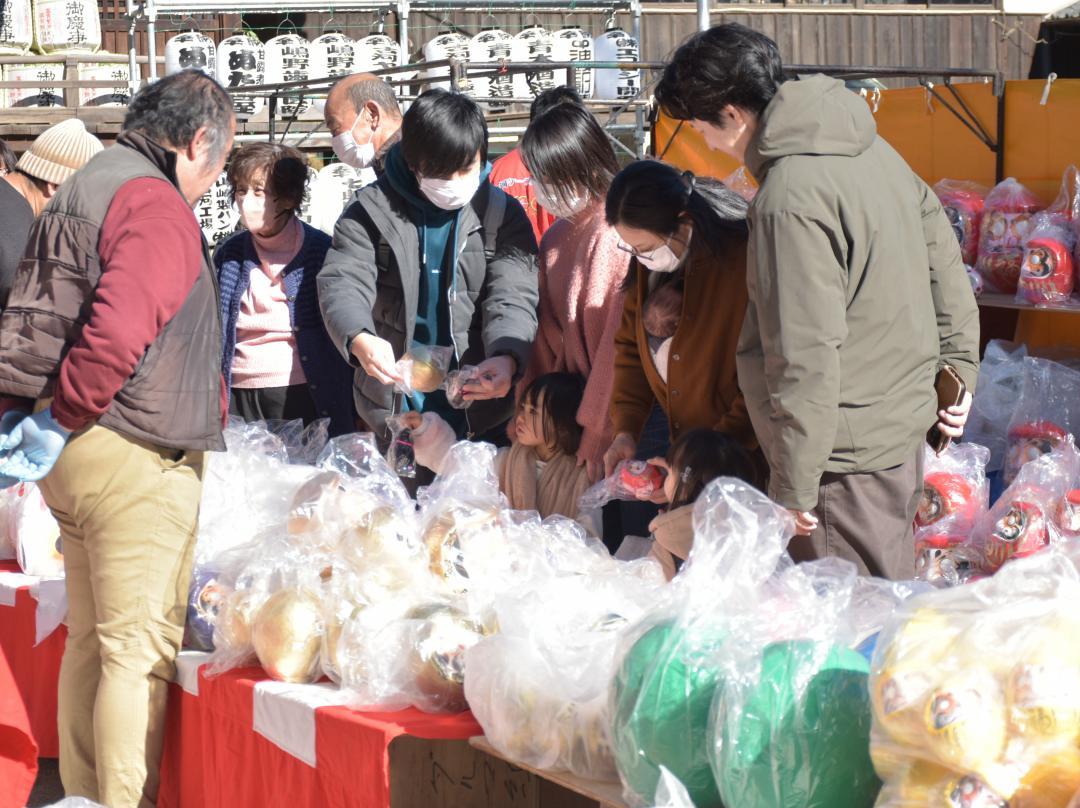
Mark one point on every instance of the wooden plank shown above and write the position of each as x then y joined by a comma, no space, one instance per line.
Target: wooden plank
607,794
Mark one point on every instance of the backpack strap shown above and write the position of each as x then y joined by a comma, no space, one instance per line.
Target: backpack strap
493,219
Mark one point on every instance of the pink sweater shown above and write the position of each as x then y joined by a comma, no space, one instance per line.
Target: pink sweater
581,303
266,354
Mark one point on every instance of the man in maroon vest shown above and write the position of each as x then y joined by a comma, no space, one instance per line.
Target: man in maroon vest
110,353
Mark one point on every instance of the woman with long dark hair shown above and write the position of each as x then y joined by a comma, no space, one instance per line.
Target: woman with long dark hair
686,298
582,269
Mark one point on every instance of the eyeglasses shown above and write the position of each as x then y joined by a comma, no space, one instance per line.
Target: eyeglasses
626,248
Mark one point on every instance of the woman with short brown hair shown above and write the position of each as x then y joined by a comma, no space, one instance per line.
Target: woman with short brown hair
278,361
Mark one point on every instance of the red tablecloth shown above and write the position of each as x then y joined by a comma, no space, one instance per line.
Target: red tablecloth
215,759
18,752
35,670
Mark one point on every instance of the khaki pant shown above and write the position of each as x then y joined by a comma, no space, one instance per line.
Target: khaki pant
127,512
866,519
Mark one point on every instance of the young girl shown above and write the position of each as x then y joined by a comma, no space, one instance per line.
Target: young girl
539,471
697,458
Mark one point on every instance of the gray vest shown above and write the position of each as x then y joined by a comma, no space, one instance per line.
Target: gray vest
173,397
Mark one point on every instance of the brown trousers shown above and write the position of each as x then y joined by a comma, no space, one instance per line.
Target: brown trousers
866,518
127,512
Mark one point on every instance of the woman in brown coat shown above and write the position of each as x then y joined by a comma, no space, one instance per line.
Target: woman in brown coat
684,306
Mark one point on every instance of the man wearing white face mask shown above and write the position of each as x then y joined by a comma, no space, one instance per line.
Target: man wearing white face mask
432,255
364,120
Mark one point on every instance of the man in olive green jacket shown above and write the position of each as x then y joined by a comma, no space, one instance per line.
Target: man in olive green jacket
858,297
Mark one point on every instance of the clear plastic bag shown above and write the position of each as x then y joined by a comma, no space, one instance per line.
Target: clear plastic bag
1047,411
742,183
539,687
955,497
455,386
401,455
1047,275
667,671
963,202
670,793
1024,519
630,480
1001,380
976,691
302,443
1004,229
35,532
423,368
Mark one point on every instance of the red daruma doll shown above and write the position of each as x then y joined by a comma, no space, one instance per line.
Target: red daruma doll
963,203
1006,223
1046,274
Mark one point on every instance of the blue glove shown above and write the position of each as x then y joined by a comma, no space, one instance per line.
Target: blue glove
34,446
8,422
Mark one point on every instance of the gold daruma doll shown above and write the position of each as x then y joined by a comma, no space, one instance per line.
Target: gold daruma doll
287,635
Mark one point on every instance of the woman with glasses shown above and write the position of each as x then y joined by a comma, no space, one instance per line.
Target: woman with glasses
685,302
582,270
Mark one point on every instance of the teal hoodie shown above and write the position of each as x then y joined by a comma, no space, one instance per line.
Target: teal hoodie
437,229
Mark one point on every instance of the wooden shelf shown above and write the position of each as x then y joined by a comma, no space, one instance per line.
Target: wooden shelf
995,300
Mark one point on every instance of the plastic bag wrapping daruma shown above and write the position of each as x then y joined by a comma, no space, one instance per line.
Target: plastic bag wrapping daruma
667,674
1024,520
791,720
539,687
8,540
423,369
670,793
303,444
963,203
1048,410
976,691
1001,380
401,456
1005,224
1047,274
955,496
631,480
35,532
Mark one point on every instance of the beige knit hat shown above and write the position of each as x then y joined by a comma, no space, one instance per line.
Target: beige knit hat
59,151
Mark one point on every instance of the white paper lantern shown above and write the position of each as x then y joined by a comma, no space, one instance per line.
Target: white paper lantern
36,533
116,96
489,48
532,45
33,96
614,85
218,216
241,61
573,45
377,52
190,49
66,26
445,46
332,54
16,27
288,58
331,191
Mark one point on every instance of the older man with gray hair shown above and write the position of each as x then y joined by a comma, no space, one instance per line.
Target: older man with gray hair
112,341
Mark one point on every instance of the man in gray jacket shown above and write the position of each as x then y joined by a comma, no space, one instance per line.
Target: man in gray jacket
432,255
857,297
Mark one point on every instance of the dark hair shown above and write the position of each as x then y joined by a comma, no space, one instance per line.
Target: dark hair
567,150
40,184
549,99
561,395
7,156
171,110
374,89
728,64
441,134
700,456
284,167
650,195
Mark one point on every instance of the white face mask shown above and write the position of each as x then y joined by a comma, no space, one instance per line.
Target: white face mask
254,213
450,194
349,151
555,204
663,258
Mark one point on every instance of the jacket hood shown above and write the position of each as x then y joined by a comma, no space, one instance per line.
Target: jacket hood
402,179
817,116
